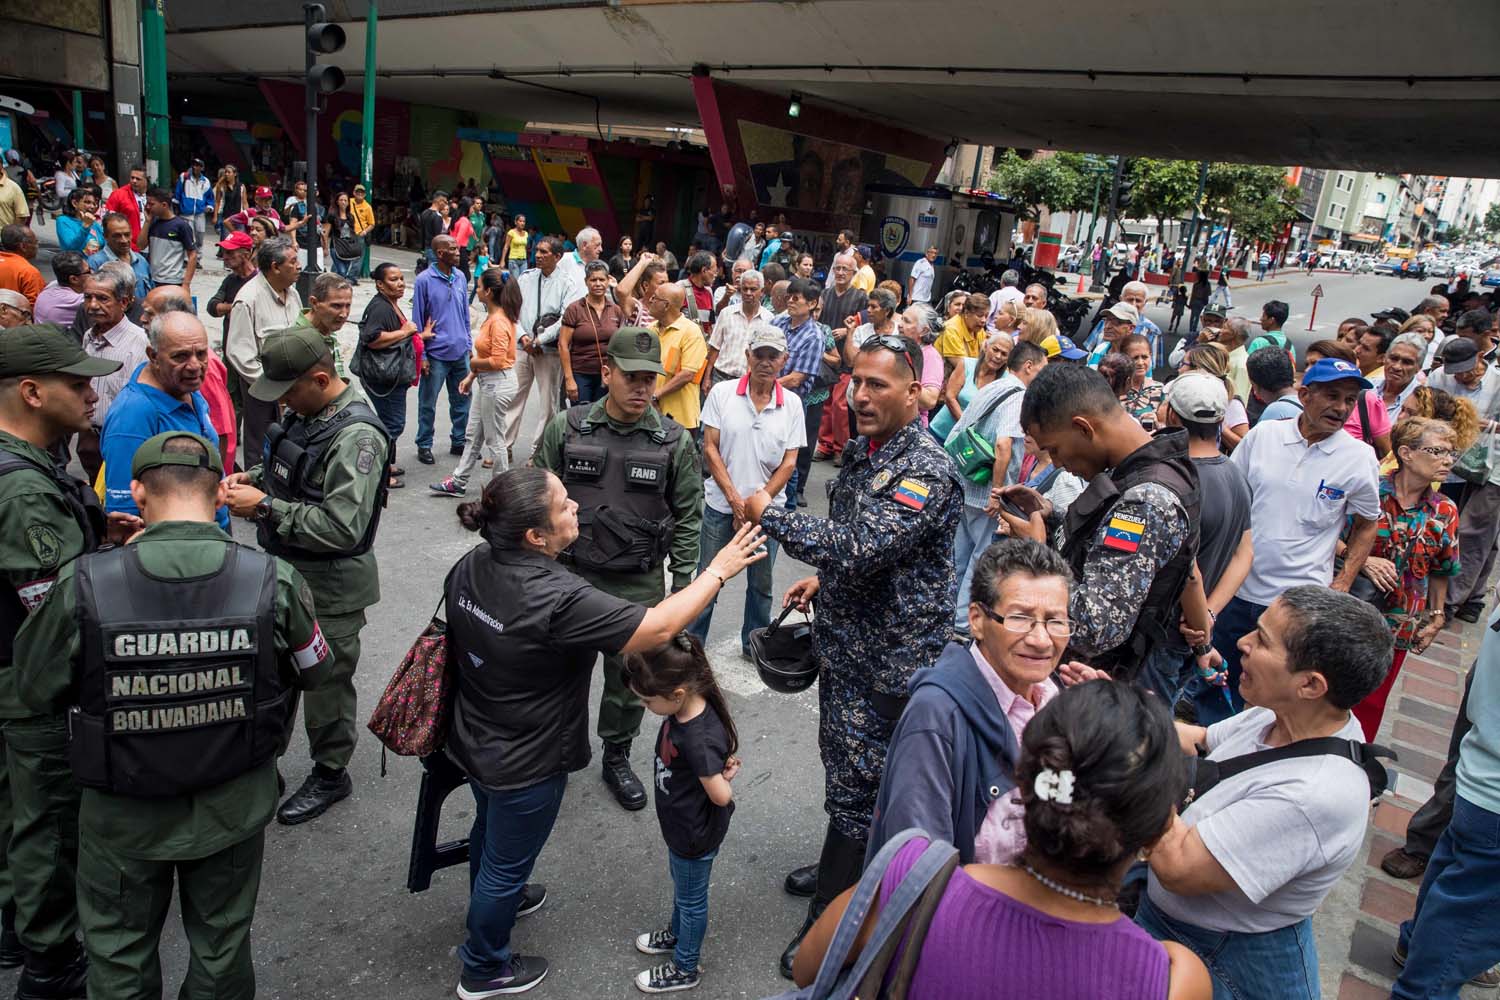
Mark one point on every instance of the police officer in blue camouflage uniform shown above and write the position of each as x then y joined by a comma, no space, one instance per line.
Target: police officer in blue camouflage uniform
884,591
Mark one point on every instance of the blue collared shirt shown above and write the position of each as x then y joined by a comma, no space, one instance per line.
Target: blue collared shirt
138,264
446,299
804,351
139,412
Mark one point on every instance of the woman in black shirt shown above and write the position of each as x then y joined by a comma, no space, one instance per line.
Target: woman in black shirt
389,355
524,633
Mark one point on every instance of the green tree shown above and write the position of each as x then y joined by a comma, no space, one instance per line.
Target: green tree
1492,219
1058,182
1162,188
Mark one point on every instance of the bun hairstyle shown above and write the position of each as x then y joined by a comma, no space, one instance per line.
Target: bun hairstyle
1128,773
681,663
513,503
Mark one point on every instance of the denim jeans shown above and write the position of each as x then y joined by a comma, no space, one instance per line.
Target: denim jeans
390,408
515,267
591,388
1236,621
1167,671
689,906
441,373
812,419
345,268
1454,934
717,530
510,829
976,530
1281,963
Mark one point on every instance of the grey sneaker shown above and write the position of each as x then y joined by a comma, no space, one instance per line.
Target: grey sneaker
449,487
665,978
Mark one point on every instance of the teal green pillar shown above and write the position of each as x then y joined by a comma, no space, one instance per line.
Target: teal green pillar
367,152
78,139
154,74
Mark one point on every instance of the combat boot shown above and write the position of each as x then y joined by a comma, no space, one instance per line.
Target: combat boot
802,881
12,954
59,973
323,787
839,867
621,779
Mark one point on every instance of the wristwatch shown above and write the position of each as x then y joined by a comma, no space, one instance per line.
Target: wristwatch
1203,650
262,510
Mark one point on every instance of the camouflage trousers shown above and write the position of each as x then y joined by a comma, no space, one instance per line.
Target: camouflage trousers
853,738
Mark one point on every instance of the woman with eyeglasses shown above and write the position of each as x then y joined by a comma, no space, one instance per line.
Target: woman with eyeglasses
1416,549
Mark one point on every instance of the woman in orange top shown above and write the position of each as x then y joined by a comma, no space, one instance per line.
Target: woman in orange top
490,371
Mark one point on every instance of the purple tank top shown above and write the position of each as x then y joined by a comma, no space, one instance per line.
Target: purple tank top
983,944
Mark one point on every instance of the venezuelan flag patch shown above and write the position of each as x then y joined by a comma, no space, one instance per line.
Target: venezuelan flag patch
911,493
1124,533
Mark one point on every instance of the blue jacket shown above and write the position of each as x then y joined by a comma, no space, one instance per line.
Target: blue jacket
189,203
952,754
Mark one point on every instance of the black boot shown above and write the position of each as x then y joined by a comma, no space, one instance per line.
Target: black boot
323,787
802,881
627,788
12,954
839,867
59,973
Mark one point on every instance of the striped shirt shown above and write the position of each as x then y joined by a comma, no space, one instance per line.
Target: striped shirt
124,342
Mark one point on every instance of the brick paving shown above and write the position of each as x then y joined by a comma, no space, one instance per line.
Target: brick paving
1356,929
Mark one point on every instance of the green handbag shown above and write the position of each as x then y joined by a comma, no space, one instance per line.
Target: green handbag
974,456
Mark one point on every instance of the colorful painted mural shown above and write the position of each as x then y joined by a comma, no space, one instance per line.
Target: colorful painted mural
817,175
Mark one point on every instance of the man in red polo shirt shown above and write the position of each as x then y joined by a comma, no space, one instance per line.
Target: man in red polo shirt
130,201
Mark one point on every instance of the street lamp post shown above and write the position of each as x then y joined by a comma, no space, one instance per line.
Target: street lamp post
1109,221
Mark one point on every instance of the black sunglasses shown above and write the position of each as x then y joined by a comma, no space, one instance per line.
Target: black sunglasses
896,345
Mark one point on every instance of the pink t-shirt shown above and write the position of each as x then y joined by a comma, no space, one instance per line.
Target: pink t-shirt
1380,419
932,372
1002,835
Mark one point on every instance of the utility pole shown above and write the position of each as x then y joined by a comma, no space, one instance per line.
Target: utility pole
154,71
1109,222
323,38
367,137
1188,251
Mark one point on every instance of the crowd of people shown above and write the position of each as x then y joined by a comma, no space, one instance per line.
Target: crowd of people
1049,577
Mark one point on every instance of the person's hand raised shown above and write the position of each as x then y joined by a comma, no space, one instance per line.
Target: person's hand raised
747,546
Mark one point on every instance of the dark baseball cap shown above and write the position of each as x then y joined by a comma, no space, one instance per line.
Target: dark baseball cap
636,349
1458,355
285,357
48,349
152,454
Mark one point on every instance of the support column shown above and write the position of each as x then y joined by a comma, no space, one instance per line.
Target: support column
154,66
78,137
367,153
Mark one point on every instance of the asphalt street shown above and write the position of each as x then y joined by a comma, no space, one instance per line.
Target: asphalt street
335,918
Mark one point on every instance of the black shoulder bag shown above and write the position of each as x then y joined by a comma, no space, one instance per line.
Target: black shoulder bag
1204,774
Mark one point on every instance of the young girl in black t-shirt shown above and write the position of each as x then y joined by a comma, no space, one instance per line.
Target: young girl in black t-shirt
695,763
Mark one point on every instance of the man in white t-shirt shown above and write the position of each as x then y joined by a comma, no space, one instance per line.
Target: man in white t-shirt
752,431
1009,290
919,284
1306,476
1239,875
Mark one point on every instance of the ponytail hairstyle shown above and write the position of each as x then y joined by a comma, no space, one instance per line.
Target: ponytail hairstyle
681,663
513,503
1112,752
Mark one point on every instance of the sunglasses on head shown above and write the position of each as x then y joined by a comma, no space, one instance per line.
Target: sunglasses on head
897,346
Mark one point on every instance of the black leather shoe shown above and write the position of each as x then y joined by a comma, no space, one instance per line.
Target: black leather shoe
12,952
455,449
312,800
621,779
814,911
1470,611
61,974
424,455
803,881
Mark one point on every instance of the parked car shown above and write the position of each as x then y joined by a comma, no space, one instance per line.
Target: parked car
1491,278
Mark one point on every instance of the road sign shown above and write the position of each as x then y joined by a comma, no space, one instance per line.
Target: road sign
1317,291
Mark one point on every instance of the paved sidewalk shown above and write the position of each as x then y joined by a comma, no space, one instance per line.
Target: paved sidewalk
1356,928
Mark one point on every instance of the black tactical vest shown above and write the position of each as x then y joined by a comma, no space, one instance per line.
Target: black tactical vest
81,503
293,453
180,688
619,482
1164,461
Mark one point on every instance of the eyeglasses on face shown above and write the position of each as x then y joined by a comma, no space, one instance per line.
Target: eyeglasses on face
1437,452
1058,628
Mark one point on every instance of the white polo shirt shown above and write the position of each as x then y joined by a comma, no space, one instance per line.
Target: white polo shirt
1300,494
752,444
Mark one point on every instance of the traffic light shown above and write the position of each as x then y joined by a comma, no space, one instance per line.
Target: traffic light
323,38
1127,188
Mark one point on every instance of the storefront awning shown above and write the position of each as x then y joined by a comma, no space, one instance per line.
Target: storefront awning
1364,238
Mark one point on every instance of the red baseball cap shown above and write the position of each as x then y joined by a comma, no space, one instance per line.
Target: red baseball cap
236,241
262,192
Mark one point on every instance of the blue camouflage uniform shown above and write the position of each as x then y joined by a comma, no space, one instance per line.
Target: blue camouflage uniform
884,609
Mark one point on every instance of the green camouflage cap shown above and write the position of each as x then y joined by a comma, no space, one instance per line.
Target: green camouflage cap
47,349
285,357
636,349
153,453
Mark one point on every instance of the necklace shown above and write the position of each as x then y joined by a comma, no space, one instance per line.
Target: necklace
1062,890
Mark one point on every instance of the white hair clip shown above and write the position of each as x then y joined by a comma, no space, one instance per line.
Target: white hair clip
1054,786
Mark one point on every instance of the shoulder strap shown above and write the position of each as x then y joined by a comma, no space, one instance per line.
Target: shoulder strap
994,405
1365,755
916,935
1364,420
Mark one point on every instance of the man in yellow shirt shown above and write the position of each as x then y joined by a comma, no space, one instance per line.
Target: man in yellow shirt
684,355
864,278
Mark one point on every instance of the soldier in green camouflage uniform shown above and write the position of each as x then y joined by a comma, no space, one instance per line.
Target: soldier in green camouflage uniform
211,838
47,518
322,520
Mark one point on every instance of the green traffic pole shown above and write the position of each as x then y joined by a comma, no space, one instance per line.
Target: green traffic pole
1087,264
154,52
367,156
77,119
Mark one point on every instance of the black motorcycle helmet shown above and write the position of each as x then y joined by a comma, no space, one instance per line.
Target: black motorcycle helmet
783,654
